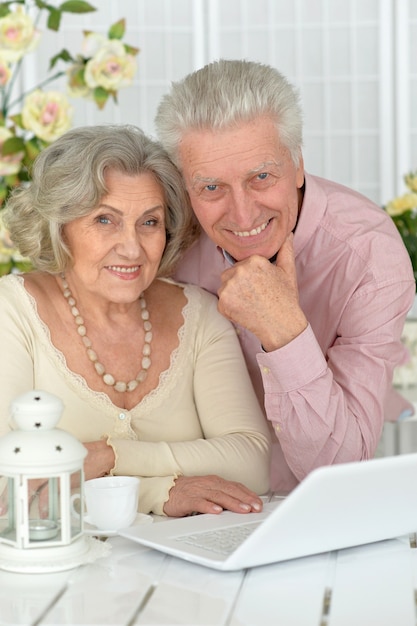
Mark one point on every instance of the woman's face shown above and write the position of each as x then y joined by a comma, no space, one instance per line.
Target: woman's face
117,248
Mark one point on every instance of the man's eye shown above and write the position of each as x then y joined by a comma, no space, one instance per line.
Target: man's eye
263,175
211,187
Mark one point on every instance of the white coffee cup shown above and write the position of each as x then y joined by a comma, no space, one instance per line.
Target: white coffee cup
111,501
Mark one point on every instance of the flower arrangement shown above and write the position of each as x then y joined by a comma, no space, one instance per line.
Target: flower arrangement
104,65
403,211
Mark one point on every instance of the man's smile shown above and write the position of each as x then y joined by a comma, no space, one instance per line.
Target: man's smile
251,233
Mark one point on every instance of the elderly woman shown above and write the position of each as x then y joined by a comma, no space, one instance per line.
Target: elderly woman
151,375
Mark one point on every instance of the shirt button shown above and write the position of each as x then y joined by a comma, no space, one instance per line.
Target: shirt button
278,428
266,370
122,416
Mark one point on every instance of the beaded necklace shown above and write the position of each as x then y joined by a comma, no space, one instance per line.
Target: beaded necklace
108,379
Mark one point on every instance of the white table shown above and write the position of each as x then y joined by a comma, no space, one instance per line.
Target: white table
373,585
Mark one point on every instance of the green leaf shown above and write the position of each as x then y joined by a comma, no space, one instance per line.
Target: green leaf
64,55
32,149
4,192
131,50
12,180
77,78
12,146
77,6
54,19
17,119
117,30
4,9
42,5
100,97
5,6
23,173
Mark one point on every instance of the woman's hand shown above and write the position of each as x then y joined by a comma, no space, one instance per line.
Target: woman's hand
209,494
100,459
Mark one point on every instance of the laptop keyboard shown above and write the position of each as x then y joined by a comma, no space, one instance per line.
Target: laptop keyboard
222,540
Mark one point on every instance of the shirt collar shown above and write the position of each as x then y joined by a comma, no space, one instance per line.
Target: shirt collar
231,261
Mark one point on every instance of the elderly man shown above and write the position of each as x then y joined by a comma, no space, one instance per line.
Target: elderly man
314,276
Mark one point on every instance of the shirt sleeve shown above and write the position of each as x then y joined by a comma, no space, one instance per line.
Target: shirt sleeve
333,406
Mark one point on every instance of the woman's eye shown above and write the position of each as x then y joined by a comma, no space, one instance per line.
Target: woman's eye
102,219
151,222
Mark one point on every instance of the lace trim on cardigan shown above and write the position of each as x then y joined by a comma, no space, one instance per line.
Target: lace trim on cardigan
167,379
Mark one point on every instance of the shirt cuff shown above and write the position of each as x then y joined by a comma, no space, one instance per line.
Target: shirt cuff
281,370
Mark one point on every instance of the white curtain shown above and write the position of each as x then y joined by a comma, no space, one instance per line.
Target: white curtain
354,62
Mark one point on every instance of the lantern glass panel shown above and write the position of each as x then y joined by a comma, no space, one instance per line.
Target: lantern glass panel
44,509
77,478
7,509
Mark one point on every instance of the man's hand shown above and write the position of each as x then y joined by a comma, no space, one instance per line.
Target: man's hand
209,494
263,297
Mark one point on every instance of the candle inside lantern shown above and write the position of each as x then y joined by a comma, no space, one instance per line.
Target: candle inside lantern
42,529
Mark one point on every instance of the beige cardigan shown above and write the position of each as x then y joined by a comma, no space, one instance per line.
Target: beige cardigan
203,418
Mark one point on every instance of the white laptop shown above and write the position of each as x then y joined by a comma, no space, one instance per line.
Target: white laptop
334,507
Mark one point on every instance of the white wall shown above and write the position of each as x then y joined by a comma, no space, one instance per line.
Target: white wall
354,62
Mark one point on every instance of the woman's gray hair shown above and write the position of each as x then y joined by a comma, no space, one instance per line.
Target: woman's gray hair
68,182
225,93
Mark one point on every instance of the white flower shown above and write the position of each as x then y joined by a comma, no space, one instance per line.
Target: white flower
48,115
18,35
11,163
5,72
411,181
111,67
399,205
92,43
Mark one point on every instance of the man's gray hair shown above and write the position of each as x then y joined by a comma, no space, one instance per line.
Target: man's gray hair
225,93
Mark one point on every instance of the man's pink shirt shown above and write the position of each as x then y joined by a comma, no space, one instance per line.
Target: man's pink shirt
327,393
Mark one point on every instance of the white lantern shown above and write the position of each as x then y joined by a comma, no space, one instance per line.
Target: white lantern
39,464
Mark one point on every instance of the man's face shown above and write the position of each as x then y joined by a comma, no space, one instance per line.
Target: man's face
243,186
